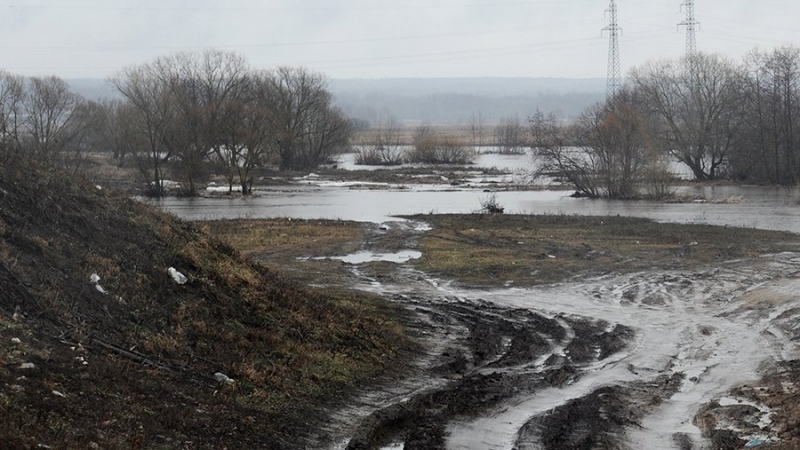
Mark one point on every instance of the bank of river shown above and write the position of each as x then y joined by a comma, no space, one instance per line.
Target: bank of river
767,208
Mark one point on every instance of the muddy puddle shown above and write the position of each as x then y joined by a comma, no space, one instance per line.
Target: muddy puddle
368,257
622,361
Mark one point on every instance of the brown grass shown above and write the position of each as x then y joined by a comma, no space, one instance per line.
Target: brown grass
152,346
530,250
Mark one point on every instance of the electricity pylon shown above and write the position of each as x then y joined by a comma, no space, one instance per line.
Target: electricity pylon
691,24
614,80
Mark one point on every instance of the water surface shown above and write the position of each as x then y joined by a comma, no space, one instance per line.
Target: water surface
771,208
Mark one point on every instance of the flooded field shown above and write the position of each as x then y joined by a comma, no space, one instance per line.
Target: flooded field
647,359
314,197
756,207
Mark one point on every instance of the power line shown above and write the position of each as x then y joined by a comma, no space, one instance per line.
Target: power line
527,29
427,6
461,54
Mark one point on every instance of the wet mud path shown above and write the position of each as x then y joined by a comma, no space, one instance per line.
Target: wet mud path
646,360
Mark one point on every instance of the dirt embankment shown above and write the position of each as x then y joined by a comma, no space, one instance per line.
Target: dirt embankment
102,347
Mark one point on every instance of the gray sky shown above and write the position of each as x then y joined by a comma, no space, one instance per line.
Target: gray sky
380,38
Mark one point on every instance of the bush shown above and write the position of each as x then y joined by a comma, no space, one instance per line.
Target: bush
490,205
376,155
433,148
382,147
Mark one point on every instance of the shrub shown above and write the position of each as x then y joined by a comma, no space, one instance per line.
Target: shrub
490,205
433,148
382,147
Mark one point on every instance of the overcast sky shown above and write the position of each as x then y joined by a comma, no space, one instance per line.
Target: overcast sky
380,38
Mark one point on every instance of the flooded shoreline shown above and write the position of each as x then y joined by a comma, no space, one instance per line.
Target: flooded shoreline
628,359
756,207
332,197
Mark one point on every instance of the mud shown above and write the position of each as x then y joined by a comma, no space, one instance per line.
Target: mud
498,358
650,360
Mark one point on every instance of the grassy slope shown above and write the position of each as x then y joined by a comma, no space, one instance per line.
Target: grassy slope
134,368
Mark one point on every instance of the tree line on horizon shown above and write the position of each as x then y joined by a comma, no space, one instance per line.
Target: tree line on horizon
185,112
180,114
723,120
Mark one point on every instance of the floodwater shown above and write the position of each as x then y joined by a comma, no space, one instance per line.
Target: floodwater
718,326
771,208
400,257
700,327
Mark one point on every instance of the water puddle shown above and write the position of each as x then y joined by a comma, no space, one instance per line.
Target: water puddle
400,257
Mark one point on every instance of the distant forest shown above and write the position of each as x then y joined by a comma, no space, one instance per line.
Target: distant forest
449,101
439,101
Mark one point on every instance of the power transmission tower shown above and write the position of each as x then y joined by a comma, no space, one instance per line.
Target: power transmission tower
691,24
614,80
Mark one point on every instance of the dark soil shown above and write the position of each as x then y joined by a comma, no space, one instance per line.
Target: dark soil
779,391
598,420
134,366
483,366
496,338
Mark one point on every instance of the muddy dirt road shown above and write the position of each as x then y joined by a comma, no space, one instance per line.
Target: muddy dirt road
618,362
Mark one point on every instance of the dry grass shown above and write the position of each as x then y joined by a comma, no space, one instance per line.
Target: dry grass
152,345
491,250
531,250
286,245
285,236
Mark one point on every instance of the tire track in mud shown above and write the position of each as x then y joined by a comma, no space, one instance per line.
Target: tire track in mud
616,362
505,354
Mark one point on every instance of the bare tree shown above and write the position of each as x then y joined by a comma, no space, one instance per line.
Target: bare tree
431,147
191,107
55,119
183,101
510,136
616,139
476,127
554,156
122,129
383,146
696,106
150,118
770,108
308,128
12,96
245,132
223,96
615,159
199,87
